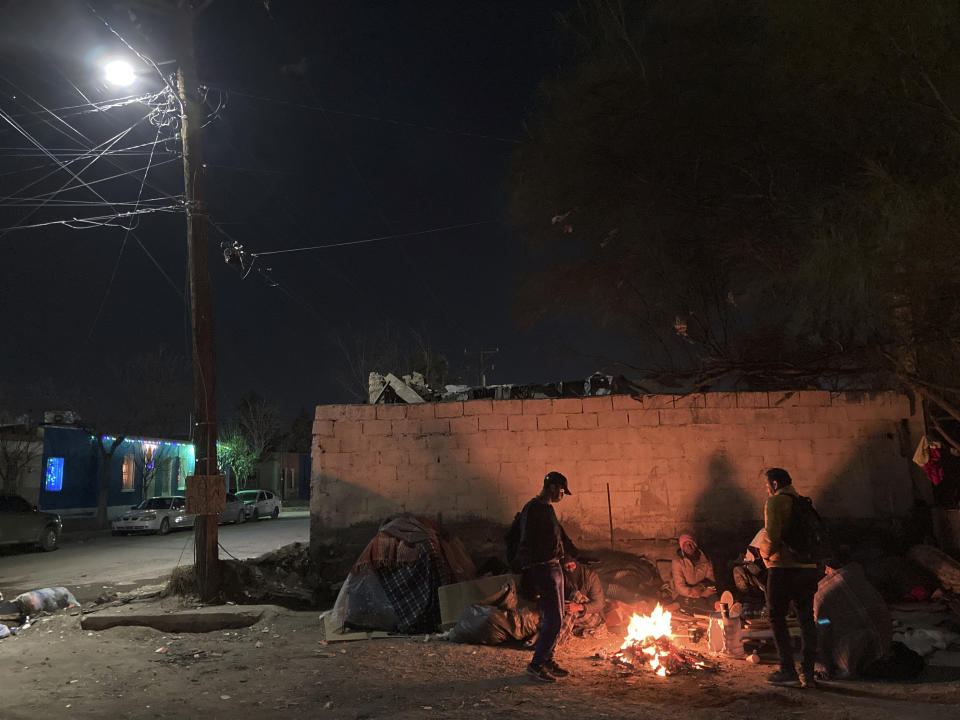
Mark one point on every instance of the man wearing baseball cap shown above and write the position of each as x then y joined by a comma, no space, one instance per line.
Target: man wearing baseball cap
543,547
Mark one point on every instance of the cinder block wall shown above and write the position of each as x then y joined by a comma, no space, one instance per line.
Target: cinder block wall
670,462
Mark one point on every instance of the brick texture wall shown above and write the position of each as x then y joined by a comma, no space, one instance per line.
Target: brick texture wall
670,462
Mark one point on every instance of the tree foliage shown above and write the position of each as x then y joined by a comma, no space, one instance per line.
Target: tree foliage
753,189
235,454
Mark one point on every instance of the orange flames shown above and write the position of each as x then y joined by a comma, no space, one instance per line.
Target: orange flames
642,635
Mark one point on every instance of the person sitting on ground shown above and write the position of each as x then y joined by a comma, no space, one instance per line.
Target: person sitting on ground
693,578
750,575
855,628
584,600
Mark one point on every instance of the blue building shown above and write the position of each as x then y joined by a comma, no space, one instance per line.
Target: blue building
71,466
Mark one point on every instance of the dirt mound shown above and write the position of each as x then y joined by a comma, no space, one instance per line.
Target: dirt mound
286,576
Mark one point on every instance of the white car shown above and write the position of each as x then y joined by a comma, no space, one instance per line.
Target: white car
165,513
157,515
260,503
234,512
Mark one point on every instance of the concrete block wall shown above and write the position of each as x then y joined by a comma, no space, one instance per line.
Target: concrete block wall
670,462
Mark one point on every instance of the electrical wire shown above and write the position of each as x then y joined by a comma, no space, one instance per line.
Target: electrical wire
107,145
373,118
48,111
54,193
123,245
373,239
95,221
144,58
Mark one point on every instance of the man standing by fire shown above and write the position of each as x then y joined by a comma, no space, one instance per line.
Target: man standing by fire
788,579
542,549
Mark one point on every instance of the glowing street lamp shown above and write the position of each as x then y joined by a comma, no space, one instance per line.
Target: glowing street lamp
119,72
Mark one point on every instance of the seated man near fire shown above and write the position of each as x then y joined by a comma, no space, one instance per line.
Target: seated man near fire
693,578
584,601
750,574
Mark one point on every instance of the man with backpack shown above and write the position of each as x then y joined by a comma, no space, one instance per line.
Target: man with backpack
537,544
796,537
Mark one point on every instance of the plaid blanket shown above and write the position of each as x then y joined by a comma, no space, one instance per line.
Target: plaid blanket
411,561
412,591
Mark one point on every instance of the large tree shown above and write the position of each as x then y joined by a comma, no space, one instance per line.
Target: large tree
763,191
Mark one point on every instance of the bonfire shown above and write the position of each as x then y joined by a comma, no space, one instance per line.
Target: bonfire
649,643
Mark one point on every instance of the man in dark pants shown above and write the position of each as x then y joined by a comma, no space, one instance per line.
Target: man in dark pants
543,546
788,579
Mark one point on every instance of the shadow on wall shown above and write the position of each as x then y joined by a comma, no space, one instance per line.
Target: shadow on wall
866,500
463,498
725,516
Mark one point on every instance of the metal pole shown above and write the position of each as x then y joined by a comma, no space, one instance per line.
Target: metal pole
201,300
610,515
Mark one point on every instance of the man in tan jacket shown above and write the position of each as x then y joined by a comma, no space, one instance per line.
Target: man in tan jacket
788,580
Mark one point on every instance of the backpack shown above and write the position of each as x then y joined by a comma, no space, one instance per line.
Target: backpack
806,533
512,538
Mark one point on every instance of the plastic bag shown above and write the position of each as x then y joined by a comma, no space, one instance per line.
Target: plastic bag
366,605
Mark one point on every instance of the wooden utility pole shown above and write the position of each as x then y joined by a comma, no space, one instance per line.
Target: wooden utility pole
206,489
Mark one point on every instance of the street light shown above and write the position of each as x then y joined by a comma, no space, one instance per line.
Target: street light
119,72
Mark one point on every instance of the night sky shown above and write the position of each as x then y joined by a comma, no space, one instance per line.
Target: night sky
339,121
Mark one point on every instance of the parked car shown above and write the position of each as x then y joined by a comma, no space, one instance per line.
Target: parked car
157,514
23,523
260,503
235,511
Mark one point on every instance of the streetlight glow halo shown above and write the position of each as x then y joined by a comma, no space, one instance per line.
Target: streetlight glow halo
119,72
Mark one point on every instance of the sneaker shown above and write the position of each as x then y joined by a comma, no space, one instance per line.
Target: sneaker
536,672
554,669
808,680
784,678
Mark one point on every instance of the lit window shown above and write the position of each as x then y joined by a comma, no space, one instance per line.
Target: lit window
128,474
53,480
181,480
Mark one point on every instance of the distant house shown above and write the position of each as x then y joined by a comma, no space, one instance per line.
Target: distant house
286,474
64,470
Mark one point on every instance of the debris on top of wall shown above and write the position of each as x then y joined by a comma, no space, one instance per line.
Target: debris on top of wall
389,389
385,389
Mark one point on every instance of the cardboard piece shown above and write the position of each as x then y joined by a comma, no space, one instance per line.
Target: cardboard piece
206,494
456,598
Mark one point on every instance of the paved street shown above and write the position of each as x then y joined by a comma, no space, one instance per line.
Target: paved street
108,560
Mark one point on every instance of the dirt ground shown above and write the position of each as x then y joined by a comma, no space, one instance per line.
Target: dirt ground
280,668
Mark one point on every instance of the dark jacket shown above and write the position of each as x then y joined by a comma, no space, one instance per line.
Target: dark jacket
586,582
542,538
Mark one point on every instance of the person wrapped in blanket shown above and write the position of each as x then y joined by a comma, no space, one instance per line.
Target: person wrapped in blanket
584,601
855,629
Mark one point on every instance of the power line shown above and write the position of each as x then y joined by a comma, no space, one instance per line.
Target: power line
96,221
373,118
126,234
54,193
373,239
106,146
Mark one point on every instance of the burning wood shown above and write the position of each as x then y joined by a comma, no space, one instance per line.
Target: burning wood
649,643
